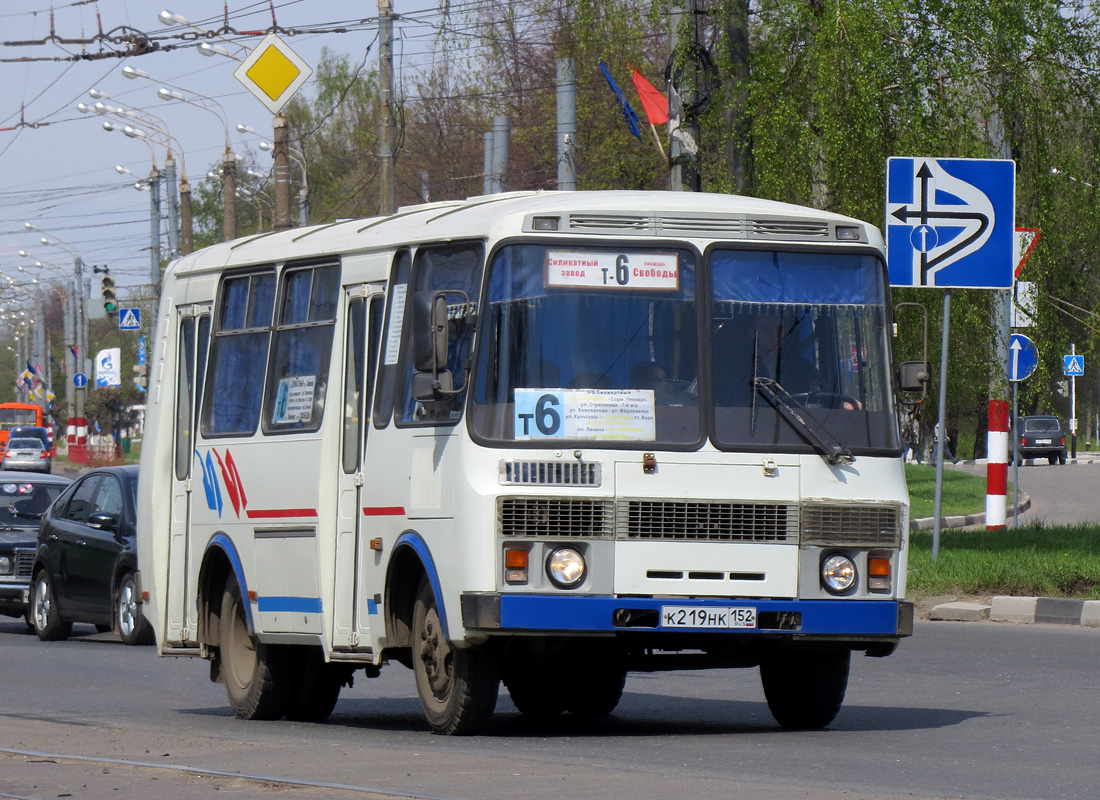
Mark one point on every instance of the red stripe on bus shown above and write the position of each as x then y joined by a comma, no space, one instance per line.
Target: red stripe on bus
384,511
279,513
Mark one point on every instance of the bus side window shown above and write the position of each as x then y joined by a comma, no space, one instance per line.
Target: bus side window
391,347
297,380
238,356
455,269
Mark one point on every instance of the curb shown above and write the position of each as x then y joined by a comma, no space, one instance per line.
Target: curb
1050,610
964,521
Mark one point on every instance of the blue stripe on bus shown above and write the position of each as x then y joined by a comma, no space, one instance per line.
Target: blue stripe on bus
223,543
305,605
522,612
412,539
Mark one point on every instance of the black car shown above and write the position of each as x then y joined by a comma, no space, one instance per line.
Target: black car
1042,436
24,497
84,570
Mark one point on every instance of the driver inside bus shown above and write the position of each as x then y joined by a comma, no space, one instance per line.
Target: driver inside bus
761,346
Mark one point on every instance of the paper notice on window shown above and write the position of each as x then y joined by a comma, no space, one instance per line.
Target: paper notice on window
397,321
600,414
609,270
294,399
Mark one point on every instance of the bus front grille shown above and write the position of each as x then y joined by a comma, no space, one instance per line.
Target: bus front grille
861,525
554,516
710,521
550,473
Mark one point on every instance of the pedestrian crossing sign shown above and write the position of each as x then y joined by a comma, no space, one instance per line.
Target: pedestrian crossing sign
129,319
1073,366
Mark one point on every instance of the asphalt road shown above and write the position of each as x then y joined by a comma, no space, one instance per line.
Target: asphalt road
979,710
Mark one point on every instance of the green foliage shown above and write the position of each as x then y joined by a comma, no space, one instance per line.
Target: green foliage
813,97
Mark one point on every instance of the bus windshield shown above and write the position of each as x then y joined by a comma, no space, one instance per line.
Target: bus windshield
815,325
589,344
582,344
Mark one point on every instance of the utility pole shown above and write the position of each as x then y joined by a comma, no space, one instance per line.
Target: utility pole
386,205
173,210
567,124
684,170
502,132
282,174
488,185
229,194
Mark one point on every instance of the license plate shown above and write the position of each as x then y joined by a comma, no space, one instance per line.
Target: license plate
1042,441
713,617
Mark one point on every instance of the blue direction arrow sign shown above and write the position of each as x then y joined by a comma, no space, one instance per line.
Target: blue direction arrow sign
1022,357
950,222
80,380
1073,366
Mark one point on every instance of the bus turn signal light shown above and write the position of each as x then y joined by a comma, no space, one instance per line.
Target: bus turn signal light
878,573
515,566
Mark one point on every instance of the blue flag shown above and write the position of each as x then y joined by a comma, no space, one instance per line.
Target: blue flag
624,105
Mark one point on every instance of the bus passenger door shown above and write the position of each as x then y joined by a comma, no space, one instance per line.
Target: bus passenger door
351,625
193,326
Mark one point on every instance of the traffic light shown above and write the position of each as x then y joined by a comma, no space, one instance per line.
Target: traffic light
110,300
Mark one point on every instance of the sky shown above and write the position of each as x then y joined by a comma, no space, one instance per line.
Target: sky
58,165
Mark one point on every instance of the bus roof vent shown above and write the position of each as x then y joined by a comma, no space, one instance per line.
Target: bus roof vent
550,473
611,222
788,229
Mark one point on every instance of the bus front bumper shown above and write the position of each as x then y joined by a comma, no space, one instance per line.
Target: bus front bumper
497,613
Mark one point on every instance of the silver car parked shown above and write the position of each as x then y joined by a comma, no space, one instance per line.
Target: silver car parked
29,455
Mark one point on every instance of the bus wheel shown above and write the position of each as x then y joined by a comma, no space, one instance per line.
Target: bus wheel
457,686
318,689
805,688
599,689
259,678
531,684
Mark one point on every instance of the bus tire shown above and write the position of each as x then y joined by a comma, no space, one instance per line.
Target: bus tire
805,688
532,686
133,628
318,688
457,686
259,678
598,690
45,613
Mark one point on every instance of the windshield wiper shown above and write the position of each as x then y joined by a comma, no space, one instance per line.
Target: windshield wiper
803,421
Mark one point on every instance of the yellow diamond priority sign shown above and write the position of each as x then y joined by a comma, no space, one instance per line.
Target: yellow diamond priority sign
273,72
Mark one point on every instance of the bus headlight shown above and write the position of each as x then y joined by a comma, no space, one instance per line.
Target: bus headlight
566,568
838,573
5,565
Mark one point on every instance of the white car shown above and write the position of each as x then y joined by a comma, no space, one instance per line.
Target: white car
29,455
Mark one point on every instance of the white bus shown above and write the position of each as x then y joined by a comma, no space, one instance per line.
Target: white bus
540,438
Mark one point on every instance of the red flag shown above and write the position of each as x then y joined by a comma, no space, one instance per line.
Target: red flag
654,103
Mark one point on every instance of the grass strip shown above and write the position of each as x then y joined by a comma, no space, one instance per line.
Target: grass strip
1030,561
963,493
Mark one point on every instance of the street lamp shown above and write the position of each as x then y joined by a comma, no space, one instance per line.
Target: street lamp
229,162
76,335
181,236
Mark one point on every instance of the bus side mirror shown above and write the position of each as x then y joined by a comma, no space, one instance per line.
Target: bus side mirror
431,331
914,376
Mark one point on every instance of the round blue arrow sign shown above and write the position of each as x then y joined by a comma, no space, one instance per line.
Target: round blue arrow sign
80,380
1022,357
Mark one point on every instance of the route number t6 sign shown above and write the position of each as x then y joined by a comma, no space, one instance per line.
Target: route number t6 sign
950,222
